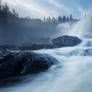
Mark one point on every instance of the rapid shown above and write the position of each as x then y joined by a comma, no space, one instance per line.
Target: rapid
73,73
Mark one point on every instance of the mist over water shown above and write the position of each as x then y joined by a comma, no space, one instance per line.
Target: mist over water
83,28
74,71
65,28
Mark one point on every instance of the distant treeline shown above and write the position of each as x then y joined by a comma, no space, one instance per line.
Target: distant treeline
60,19
6,13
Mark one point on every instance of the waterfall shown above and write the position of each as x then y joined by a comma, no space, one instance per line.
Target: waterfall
74,71
83,28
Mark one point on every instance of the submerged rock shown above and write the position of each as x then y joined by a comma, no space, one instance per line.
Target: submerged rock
86,52
65,41
24,63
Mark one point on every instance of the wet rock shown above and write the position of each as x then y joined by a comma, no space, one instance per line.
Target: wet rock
36,46
65,41
86,52
24,63
81,52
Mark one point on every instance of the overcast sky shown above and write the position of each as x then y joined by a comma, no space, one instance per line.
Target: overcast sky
41,8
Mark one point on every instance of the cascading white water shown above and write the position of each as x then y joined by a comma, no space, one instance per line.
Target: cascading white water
73,73
83,28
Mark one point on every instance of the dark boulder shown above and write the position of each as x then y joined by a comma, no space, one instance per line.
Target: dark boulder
65,41
24,63
36,46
